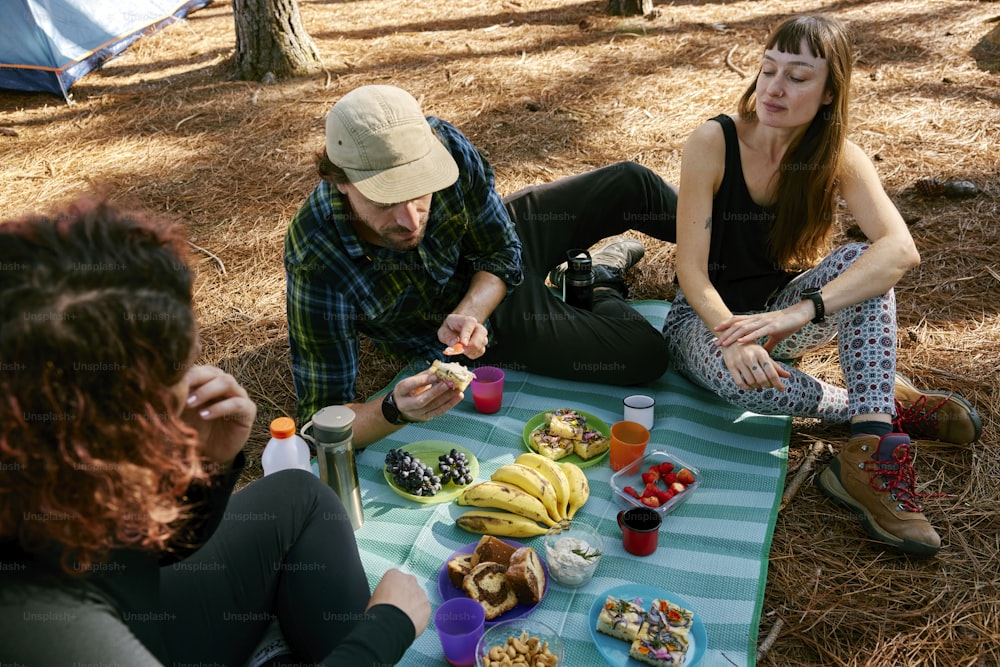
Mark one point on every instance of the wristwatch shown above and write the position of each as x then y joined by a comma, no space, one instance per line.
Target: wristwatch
391,411
815,295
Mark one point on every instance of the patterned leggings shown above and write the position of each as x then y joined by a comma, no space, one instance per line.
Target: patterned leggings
867,347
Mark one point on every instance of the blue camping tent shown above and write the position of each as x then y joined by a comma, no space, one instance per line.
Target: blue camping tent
46,45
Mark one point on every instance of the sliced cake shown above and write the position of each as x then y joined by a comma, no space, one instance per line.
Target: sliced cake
487,584
458,567
492,550
526,576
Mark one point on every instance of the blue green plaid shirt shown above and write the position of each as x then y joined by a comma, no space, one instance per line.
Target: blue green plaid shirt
340,286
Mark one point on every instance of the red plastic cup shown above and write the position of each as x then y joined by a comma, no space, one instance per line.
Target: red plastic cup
487,389
640,530
460,623
628,443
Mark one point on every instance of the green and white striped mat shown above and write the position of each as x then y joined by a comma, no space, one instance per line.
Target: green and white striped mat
713,549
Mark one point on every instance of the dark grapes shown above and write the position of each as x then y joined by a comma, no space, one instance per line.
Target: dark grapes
454,467
411,474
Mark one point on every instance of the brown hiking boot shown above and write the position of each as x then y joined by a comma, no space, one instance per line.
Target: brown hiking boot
934,415
882,491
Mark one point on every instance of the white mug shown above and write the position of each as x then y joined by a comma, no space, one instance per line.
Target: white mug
639,408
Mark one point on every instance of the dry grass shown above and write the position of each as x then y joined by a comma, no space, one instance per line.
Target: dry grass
549,88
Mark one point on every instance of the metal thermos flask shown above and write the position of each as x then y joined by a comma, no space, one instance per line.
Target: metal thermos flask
333,431
578,282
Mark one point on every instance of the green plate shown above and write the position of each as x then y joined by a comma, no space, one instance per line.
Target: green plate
538,421
428,451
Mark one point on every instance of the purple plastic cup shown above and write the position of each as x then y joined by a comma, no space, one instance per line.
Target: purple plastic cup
459,622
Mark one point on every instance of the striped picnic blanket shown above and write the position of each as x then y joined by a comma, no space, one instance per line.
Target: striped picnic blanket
713,549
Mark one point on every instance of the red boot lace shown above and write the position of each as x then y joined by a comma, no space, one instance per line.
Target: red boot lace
917,420
899,479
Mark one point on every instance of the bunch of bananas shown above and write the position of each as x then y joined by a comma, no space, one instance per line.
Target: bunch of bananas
529,495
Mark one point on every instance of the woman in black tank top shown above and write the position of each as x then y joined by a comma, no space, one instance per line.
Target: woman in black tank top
759,286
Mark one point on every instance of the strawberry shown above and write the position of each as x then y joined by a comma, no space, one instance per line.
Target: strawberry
666,467
632,492
651,501
664,496
649,492
669,478
651,477
677,487
685,477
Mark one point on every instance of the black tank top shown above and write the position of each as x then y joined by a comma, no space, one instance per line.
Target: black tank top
741,265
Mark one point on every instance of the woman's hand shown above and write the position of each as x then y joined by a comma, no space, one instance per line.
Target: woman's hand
220,410
774,326
423,396
403,591
752,367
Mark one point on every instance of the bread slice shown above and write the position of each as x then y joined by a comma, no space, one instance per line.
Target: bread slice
458,567
453,372
592,444
566,424
487,584
620,618
663,639
526,576
551,446
492,550
675,618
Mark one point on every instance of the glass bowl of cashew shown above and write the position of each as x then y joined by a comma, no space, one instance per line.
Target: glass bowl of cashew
504,643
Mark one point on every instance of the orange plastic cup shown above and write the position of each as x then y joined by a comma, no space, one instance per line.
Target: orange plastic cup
628,443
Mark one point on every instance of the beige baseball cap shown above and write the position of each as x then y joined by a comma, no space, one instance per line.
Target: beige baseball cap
380,138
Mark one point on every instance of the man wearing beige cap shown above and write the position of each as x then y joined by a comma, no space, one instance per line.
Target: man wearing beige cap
406,241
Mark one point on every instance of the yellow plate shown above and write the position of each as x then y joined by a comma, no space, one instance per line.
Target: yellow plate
428,451
538,421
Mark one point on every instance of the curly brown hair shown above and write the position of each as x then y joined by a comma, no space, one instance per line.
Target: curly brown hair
96,327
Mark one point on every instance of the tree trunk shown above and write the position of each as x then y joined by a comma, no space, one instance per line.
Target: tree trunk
630,7
270,39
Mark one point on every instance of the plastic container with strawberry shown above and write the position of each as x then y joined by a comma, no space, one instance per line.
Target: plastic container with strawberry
659,480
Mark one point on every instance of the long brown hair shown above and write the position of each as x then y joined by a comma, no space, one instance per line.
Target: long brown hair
806,188
96,326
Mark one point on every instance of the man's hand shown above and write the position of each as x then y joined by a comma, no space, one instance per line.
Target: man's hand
220,410
424,396
465,330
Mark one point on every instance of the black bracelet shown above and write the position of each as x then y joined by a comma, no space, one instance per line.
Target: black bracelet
815,294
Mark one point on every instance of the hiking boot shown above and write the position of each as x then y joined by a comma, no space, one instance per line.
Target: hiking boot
875,477
616,255
934,415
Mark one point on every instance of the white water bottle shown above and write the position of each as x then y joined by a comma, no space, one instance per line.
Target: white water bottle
285,449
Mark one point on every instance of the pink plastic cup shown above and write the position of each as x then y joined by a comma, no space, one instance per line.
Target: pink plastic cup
487,389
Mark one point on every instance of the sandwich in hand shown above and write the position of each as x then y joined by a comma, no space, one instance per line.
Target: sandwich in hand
453,372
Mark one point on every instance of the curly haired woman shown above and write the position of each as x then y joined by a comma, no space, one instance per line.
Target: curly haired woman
757,204
120,542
